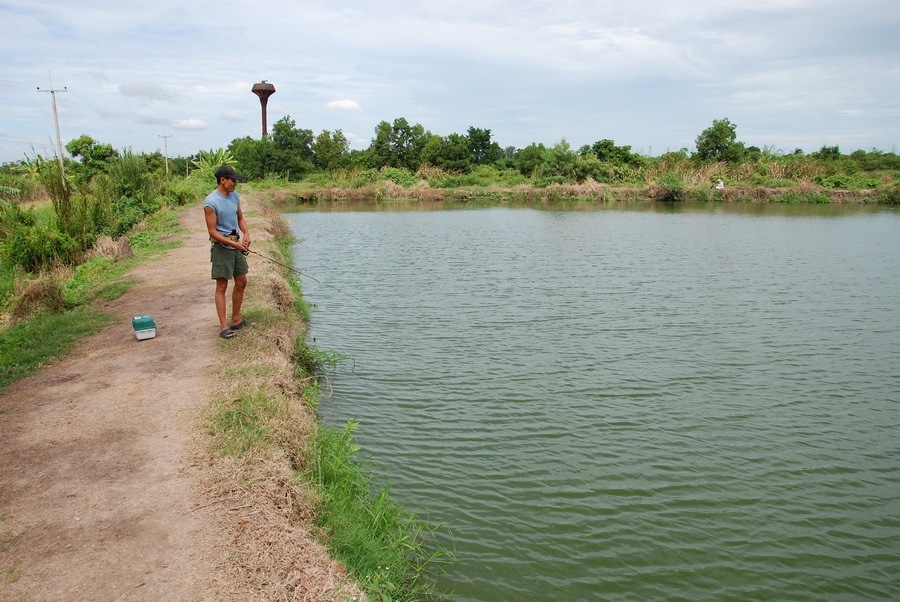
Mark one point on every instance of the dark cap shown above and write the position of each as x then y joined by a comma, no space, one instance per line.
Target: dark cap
227,171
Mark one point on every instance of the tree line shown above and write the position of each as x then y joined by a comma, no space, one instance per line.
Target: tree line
292,153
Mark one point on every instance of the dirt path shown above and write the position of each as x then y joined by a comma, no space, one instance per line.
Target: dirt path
101,463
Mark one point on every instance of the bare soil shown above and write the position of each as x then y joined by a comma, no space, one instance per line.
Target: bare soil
108,490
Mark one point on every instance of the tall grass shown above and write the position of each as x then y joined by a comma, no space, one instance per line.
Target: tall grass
391,551
388,549
8,279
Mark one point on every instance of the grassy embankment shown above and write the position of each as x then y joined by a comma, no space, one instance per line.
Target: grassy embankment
272,452
266,425
789,180
50,313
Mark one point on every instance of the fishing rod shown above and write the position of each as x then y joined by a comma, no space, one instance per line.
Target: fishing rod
314,279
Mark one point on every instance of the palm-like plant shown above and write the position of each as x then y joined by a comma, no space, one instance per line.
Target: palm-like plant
211,159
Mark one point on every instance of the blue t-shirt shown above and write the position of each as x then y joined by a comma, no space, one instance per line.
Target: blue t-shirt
226,208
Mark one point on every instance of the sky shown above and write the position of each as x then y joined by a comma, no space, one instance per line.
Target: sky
176,76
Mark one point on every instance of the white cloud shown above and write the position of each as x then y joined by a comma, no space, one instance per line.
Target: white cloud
190,124
351,106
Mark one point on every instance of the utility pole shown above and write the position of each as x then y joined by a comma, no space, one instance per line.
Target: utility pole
166,145
59,155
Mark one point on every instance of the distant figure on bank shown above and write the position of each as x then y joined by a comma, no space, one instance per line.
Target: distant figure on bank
230,240
720,185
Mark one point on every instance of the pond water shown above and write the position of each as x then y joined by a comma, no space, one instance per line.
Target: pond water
676,402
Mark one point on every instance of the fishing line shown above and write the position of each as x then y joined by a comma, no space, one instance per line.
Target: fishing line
313,278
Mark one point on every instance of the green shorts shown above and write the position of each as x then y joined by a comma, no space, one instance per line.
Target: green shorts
227,262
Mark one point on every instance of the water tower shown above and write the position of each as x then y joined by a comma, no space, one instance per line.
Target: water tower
264,90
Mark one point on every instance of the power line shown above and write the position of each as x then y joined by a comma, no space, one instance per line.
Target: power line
18,139
107,117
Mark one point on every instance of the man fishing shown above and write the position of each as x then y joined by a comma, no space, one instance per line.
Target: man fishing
230,240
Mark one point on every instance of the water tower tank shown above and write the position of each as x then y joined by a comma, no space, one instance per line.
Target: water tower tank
264,90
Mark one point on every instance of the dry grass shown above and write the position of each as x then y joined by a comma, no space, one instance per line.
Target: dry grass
276,225
44,293
280,195
430,172
107,246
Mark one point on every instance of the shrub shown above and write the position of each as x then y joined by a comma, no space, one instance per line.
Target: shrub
846,181
181,192
546,181
450,180
890,196
361,178
400,176
670,188
37,247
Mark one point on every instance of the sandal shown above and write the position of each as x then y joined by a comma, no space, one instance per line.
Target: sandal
242,324
228,333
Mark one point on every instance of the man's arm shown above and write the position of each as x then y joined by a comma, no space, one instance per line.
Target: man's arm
242,224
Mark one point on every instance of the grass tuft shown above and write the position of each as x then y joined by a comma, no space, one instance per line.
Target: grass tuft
242,423
312,361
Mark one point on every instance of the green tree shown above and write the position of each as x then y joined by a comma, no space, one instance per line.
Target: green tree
719,143
431,150
607,151
530,159
483,150
293,152
379,151
256,157
451,153
559,160
828,153
331,150
94,156
398,145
